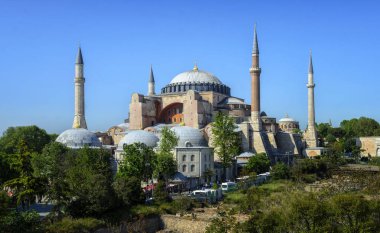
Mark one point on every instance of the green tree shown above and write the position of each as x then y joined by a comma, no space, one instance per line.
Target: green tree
139,161
128,190
19,145
225,140
89,178
360,127
259,163
323,129
52,166
166,165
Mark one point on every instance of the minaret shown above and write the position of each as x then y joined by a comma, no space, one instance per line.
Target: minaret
255,72
151,83
311,132
79,117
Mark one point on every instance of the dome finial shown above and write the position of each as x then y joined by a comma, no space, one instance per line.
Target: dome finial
195,67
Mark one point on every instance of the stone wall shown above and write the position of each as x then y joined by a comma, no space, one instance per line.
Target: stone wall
369,146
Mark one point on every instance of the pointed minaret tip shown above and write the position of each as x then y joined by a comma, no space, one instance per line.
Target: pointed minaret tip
79,56
151,77
311,71
255,42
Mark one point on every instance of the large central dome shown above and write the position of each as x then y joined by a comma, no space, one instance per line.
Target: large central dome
195,75
196,80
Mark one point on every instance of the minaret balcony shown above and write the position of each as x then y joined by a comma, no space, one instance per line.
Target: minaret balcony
310,85
255,70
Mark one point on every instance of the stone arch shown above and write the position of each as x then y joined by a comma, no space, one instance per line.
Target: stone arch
173,113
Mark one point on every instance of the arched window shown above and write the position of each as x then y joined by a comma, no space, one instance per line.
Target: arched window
183,168
192,157
183,158
192,168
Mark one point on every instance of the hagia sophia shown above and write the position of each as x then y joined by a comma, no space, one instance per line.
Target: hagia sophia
188,106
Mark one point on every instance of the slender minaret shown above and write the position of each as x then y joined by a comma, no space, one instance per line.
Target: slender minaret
79,117
255,72
151,83
311,132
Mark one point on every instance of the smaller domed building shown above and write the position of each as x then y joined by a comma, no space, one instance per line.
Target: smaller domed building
78,138
194,158
288,124
136,136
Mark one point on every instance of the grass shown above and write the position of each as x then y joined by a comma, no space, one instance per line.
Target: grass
234,197
276,186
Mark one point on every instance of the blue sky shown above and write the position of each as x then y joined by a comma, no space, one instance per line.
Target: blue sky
121,39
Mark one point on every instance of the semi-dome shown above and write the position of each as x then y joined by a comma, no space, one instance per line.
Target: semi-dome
189,137
194,76
140,136
78,138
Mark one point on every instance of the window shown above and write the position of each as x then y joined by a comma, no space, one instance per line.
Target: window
192,157
192,168
183,168
183,158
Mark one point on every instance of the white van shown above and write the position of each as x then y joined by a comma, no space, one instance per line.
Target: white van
228,186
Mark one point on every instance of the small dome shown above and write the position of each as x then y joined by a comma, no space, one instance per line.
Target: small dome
234,100
195,75
124,126
263,114
189,137
78,138
287,119
141,136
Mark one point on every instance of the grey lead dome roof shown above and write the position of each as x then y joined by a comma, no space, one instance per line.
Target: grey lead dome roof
189,137
195,75
78,138
141,136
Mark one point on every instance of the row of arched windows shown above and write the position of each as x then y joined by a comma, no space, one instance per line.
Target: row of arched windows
192,157
196,86
184,168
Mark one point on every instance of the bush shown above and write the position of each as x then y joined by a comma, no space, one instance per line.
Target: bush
26,222
259,163
160,193
69,225
128,190
145,210
183,204
280,171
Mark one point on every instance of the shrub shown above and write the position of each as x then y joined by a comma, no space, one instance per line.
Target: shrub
280,171
28,222
145,210
69,225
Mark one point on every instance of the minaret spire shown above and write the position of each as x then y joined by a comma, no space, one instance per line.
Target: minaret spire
311,71
311,132
255,49
255,72
79,116
151,83
79,57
